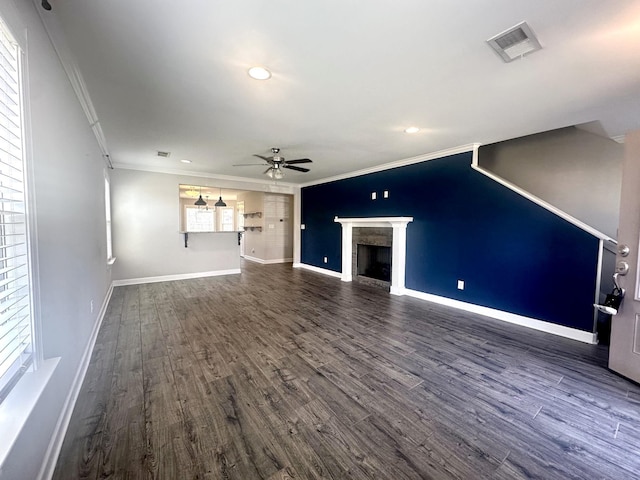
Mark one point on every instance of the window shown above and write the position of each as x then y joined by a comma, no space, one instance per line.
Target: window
107,214
200,219
226,219
16,337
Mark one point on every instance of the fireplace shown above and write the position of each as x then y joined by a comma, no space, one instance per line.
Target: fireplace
374,261
394,229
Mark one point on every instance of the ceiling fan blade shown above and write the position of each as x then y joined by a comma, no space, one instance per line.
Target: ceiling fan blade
298,169
246,164
266,159
300,160
267,170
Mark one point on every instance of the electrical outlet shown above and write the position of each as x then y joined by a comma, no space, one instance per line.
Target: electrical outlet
302,226
253,250
374,195
385,194
326,260
460,284
91,305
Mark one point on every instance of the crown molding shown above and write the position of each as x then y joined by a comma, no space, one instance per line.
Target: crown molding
398,163
70,66
272,186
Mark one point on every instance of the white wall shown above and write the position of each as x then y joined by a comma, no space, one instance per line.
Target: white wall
576,171
69,214
146,226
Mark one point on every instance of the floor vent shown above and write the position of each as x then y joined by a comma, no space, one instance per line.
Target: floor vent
514,43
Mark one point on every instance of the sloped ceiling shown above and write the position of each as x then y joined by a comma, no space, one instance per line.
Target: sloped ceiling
347,77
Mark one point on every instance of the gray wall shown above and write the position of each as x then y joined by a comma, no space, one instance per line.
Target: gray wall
275,241
68,187
573,170
146,225
278,227
253,240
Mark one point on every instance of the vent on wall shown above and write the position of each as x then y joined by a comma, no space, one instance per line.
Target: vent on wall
515,42
164,154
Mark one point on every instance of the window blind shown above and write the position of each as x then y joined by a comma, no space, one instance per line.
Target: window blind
15,303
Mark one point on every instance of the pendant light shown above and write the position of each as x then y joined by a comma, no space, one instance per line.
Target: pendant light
200,201
220,203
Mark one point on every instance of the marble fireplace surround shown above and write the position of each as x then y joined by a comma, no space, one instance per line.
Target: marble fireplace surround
398,246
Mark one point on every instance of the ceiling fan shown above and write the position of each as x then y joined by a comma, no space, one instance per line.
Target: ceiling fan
276,163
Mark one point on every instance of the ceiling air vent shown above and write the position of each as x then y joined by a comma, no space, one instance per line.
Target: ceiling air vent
164,154
516,42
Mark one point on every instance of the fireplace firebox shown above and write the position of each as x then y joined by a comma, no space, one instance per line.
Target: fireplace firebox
374,261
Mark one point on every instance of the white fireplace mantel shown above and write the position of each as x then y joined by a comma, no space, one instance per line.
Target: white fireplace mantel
398,247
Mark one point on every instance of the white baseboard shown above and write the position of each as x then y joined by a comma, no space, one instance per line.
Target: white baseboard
541,325
312,268
53,450
169,278
268,262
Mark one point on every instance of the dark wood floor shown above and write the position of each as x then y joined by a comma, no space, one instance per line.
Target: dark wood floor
280,373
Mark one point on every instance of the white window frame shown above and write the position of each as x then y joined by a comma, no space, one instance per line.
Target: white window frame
30,355
226,227
16,408
107,215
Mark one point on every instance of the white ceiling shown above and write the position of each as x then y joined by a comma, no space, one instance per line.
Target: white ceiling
348,77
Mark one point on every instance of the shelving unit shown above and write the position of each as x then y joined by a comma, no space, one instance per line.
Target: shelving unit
253,214
253,228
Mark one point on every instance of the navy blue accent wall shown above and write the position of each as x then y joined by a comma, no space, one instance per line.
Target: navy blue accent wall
513,255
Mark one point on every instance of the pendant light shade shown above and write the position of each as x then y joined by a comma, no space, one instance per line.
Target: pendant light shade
220,203
200,201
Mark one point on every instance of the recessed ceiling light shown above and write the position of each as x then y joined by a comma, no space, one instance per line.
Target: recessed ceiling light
259,73
411,130
184,160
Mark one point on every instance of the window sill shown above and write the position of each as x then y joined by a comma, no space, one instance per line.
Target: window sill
111,261
16,408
